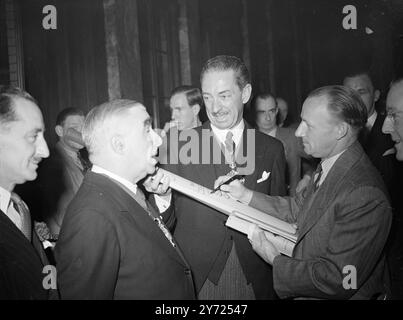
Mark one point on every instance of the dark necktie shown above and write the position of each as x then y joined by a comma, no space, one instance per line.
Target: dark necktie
230,151
82,156
25,216
317,176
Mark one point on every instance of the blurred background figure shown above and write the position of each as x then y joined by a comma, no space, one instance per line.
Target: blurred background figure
377,145
266,112
393,125
282,106
62,174
185,103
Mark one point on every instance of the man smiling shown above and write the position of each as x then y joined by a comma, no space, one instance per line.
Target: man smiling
223,263
22,147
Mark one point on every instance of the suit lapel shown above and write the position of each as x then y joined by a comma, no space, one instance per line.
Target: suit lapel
316,204
146,225
19,236
255,157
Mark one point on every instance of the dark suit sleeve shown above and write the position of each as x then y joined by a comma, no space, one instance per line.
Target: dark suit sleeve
278,185
362,223
88,256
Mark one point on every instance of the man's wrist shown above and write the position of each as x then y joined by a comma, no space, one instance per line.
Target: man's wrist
247,196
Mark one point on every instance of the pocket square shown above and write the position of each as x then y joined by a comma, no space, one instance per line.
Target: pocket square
265,176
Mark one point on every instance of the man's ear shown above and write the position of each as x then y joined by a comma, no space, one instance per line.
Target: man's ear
377,94
342,130
196,109
59,130
117,144
246,93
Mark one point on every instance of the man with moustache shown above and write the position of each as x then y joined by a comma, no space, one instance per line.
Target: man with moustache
343,217
22,147
223,263
113,243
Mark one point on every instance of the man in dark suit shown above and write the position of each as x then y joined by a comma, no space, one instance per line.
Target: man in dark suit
22,147
376,144
265,111
223,263
343,217
113,244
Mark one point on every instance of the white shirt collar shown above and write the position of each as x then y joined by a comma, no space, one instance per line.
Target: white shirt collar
327,164
236,131
371,120
131,186
5,196
273,132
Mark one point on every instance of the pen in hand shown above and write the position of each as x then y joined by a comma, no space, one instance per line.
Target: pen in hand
233,178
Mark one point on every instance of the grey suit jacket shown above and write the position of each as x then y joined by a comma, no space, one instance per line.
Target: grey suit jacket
293,151
345,223
59,180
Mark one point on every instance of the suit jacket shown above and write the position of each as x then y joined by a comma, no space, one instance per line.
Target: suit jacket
21,264
375,144
59,180
200,230
110,248
293,150
345,223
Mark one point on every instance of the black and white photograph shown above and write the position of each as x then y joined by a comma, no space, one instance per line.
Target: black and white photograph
201,154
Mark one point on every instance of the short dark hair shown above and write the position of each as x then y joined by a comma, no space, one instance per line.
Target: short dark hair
262,96
8,94
193,94
67,112
224,63
362,72
344,103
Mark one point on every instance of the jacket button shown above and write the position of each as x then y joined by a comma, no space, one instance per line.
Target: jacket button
187,272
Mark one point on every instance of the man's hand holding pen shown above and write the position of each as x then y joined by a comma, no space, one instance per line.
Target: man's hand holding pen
233,187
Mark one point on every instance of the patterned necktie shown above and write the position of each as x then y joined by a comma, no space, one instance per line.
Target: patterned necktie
141,200
317,176
230,151
25,216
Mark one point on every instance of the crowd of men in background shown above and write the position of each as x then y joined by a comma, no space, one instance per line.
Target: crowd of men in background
116,230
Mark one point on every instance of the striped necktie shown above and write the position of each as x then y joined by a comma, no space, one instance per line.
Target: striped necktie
23,211
230,151
317,176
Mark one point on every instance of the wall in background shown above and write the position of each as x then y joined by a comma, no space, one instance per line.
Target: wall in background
142,49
